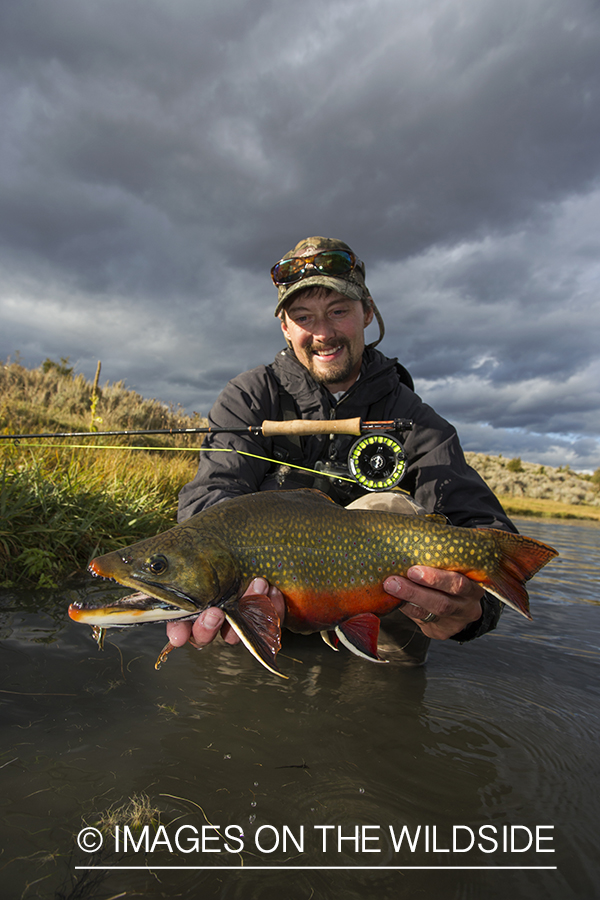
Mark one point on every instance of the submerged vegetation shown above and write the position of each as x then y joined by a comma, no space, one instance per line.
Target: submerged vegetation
64,501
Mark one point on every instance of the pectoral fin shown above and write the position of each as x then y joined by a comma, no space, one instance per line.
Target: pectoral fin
254,619
359,634
331,639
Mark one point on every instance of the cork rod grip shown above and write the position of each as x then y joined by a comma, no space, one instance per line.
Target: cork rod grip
315,426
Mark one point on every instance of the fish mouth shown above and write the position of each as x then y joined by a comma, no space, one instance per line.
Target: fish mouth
134,609
168,595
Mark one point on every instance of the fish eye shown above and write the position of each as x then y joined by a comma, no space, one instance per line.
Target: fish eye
157,565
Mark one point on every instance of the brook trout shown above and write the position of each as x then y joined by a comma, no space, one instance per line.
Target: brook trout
329,563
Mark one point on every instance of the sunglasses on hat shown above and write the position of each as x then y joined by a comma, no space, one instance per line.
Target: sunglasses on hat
327,262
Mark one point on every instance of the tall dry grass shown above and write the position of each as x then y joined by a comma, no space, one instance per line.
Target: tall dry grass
60,504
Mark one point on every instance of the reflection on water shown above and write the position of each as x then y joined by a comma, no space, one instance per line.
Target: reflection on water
500,733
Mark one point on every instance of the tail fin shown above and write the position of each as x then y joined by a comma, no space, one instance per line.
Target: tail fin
521,558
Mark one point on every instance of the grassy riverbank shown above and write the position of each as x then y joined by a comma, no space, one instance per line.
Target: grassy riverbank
548,509
62,502
528,489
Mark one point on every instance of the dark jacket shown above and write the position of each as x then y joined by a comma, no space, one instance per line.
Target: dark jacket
437,474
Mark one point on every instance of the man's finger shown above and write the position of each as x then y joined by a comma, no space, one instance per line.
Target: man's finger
207,626
179,633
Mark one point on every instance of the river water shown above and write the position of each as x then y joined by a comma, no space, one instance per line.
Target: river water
475,776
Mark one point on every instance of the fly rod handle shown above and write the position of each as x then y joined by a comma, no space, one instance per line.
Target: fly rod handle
314,426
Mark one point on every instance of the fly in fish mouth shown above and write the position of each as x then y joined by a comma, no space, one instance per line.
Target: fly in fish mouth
138,600
134,609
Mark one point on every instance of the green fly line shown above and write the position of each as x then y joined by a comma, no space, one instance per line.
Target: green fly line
188,450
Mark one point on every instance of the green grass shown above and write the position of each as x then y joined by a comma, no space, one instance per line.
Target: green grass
60,508
60,505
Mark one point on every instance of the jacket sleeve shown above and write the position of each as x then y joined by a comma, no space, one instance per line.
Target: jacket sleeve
229,465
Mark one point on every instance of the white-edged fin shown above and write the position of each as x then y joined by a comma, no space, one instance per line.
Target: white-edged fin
326,637
354,649
252,650
507,602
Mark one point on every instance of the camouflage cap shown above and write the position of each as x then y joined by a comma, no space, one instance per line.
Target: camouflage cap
352,285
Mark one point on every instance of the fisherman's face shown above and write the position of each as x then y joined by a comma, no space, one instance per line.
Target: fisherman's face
326,332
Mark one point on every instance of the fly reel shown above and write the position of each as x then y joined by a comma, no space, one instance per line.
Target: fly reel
377,461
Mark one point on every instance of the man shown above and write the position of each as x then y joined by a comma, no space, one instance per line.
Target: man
326,372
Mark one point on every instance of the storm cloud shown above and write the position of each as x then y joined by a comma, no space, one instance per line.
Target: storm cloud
157,159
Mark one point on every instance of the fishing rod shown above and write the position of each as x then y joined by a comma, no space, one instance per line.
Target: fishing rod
267,429
376,460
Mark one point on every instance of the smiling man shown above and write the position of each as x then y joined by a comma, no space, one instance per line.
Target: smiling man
327,372
326,331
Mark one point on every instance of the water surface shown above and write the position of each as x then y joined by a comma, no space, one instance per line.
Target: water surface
501,734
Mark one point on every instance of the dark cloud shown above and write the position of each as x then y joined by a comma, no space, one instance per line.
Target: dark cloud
158,158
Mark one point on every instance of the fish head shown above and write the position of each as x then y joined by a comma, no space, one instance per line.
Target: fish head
176,574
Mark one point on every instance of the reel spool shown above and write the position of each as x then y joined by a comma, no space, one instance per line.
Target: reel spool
377,461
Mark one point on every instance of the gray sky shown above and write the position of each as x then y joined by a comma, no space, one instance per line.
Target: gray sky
158,158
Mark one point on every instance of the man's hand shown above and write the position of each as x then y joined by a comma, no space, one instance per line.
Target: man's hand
204,629
453,598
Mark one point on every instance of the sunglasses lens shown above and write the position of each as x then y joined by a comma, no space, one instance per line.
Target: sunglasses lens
334,262
288,271
329,262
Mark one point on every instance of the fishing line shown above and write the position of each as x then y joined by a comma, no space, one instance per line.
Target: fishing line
376,460
186,450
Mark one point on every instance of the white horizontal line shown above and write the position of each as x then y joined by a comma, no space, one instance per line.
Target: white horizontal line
319,868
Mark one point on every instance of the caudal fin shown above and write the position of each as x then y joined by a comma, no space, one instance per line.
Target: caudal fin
521,558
